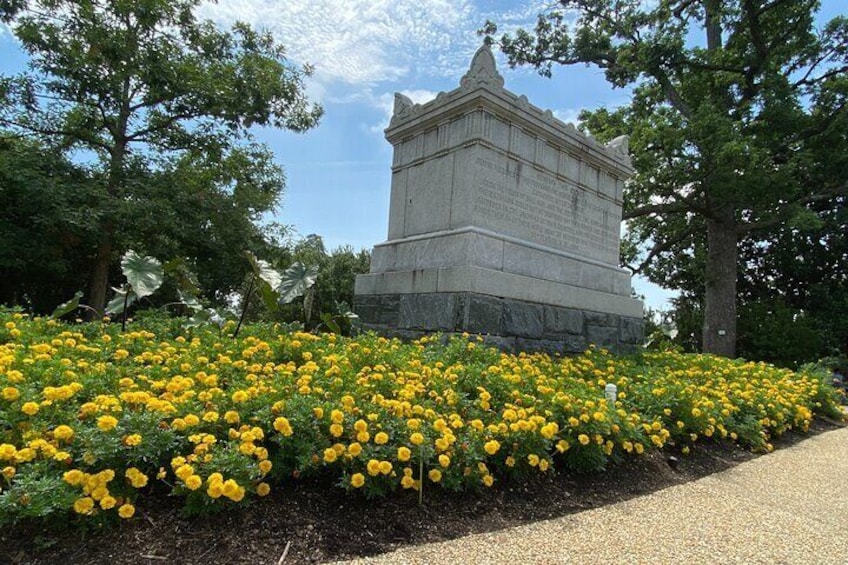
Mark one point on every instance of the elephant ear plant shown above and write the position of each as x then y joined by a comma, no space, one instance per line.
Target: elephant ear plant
144,277
277,288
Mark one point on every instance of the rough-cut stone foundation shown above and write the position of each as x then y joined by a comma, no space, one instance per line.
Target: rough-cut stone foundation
512,325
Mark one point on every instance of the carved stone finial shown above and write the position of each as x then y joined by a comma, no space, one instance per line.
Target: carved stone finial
483,70
620,144
403,105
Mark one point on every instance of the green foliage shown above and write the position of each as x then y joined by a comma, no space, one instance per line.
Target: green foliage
139,83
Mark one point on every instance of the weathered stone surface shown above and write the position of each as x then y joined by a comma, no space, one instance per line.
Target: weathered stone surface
551,347
575,344
602,336
604,320
389,310
435,312
501,342
367,308
484,315
523,319
563,320
632,331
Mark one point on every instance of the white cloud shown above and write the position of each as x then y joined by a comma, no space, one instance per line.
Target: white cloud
359,41
568,115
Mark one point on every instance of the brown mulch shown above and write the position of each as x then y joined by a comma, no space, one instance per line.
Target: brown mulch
313,522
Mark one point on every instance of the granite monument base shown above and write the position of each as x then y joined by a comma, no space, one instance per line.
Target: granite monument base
509,324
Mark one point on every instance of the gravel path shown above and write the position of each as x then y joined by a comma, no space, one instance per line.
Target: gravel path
790,506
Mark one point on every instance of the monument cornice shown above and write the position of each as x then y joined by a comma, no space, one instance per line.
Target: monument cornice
483,90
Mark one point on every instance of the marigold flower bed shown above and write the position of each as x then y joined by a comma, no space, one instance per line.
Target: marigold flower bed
94,422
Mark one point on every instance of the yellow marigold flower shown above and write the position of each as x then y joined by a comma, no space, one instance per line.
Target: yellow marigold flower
194,482
583,439
444,461
247,448
337,416
83,505
191,420
533,459
373,467
599,417
685,450
126,511
385,467
354,449
336,430
108,502
136,477
63,432
407,482
363,437
230,488
215,489
240,396
544,465
106,423
9,473
10,393
360,425
30,408
132,440
231,417
73,477
488,480
265,466
282,425
403,454
381,438
7,451
435,475
357,480
330,455
263,489
510,461
184,472
416,439
639,448
492,446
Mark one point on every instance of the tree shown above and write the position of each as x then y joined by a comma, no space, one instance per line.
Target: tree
732,134
123,81
43,224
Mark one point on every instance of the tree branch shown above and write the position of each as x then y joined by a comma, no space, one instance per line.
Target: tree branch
667,244
783,214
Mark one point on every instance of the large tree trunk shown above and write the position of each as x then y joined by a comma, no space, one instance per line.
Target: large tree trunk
103,260
99,283
719,332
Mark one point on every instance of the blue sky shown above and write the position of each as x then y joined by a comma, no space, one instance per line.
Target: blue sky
363,51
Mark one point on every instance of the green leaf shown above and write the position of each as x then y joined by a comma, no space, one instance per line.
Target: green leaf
190,301
264,271
297,279
67,307
116,305
331,324
145,274
186,280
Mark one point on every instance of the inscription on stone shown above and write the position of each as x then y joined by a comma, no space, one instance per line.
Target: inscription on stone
530,204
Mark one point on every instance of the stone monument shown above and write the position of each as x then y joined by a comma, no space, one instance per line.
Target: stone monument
503,221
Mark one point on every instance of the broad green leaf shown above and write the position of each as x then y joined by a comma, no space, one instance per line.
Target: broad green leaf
116,305
67,307
190,300
331,324
296,280
145,274
178,271
264,271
